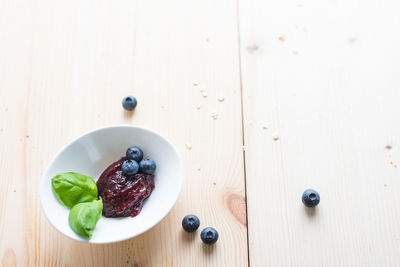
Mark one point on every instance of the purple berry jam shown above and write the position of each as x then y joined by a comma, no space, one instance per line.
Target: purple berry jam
122,195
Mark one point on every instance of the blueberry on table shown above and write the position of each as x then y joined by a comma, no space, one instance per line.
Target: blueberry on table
147,166
129,103
209,235
310,198
190,223
134,153
130,167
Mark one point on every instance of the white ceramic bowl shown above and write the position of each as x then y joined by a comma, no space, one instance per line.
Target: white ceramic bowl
93,152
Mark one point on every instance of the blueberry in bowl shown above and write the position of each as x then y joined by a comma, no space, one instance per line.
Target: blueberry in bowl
147,166
129,167
134,153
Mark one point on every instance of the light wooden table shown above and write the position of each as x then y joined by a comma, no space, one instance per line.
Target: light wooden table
310,91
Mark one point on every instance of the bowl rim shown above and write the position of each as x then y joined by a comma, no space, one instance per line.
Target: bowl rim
145,229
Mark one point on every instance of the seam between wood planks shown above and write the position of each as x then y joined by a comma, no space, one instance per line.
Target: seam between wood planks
242,128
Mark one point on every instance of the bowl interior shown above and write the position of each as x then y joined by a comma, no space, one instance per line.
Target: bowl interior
93,152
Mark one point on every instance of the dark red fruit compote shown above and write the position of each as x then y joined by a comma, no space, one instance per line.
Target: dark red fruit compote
123,195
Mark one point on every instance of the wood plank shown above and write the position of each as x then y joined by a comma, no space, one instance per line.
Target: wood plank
324,77
64,69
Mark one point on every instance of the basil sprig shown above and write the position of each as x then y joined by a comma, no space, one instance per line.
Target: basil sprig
79,192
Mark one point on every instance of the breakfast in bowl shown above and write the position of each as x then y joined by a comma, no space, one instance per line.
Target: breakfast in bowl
150,184
119,192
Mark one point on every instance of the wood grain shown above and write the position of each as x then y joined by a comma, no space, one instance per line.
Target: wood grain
65,67
319,98
320,93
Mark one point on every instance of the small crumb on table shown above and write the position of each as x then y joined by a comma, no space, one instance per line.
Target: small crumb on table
198,107
214,116
188,146
221,99
384,185
265,127
275,137
214,183
203,92
282,38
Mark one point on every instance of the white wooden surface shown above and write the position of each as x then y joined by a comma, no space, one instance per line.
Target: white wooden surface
324,76
65,67
310,88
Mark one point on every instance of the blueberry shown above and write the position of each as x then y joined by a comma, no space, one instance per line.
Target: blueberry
134,153
147,166
190,223
310,198
130,167
129,103
209,235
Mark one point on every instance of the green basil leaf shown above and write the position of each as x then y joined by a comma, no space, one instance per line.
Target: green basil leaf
83,217
71,188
